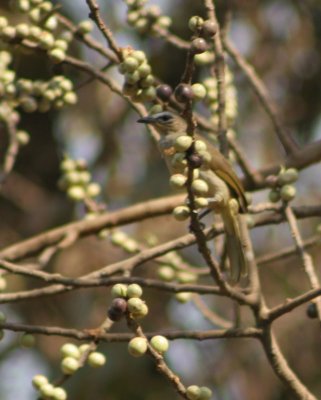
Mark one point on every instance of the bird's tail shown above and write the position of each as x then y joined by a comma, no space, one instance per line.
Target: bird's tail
234,246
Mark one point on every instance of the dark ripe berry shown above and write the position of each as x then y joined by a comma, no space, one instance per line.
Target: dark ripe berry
198,46
164,92
195,160
119,304
183,93
113,315
209,28
117,309
312,311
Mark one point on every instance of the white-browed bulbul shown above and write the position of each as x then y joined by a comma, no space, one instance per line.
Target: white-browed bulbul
226,193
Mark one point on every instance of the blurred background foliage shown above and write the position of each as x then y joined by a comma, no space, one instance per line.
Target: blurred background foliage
283,41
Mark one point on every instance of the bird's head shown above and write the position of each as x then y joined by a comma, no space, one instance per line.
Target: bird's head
165,122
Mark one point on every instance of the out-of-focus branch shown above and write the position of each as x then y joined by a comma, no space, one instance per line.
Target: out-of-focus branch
282,369
260,90
219,70
125,337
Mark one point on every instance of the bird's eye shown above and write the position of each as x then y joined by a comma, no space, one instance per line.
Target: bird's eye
165,118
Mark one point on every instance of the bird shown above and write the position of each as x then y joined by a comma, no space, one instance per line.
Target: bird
226,190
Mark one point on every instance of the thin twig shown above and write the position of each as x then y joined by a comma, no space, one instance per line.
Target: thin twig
306,259
107,33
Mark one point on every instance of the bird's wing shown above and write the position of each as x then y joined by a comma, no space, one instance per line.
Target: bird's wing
223,169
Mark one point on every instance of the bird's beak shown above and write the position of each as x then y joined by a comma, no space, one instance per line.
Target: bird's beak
146,120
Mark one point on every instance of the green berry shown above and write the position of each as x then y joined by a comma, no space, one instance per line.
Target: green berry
205,394
144,70
183,297
200,145
28,104
66,85
39,380
35,32
67,164
57,55
146,82
159,343
76,193
288,176
164,21
137,347
287,192
24,5
61,44
141,313
181,213
200,187
132,17
59,394
148,94
132,77
22,30
193,392
51,23
23,137
83,348
119,290
274,196
177,181
139,55
3,23
157,108
195,23
118,238
201,202
96,359
134,290
70,98
46,390
130,64
135,304
72,178
45,7
9,32
27,341
130,245
85,27
186,277
70,350
46,40
69,365
199,91
183,143
205,58
35,15
166,273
